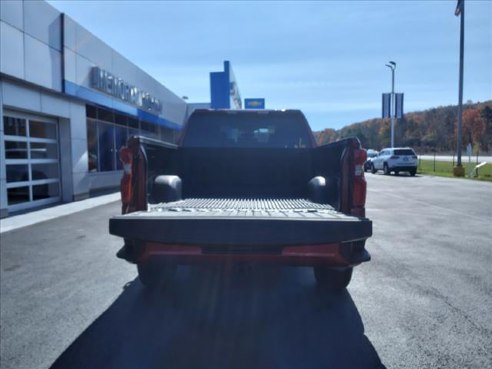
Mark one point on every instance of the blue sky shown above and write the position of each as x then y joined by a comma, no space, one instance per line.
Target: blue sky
326,58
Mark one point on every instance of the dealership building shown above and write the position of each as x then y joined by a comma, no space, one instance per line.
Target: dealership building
68,102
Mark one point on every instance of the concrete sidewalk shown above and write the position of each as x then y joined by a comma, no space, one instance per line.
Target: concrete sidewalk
24,220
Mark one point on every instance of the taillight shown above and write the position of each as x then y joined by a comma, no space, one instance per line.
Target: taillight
126,157
360,157
360,185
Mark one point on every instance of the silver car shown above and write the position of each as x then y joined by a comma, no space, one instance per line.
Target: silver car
396,159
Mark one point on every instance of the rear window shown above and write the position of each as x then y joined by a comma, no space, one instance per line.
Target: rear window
404,152
247,131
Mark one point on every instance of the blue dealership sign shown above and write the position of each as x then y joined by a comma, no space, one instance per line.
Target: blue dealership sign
254,103
224,91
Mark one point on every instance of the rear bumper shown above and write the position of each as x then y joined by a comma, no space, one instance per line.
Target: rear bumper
404,168
336,254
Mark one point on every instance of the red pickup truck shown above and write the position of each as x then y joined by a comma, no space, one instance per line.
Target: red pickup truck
244,186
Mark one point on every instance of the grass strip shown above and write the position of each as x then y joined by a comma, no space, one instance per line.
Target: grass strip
445,169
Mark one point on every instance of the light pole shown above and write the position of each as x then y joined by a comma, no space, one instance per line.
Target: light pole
392,66
460,11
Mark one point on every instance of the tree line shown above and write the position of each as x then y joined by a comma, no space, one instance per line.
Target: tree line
426,131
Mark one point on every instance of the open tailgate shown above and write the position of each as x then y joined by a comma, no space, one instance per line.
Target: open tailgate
247,222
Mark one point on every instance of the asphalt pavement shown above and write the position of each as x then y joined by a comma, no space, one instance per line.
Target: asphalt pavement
422,302
425,296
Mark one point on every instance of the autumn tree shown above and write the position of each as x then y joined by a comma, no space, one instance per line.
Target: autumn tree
425,130
486,115
326,136
473,126
384,134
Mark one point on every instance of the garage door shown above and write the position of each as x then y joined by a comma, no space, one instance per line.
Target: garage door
31,161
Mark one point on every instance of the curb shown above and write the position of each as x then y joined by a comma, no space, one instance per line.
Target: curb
34,217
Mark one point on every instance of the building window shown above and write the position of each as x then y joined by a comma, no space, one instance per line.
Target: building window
106,147
104,141
92,145
107,132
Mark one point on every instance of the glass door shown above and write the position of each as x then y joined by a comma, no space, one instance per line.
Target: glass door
31,161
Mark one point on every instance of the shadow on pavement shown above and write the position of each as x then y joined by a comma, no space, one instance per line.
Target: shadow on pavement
211,318
393,175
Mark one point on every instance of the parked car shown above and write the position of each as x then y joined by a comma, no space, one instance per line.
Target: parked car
396,159
370,154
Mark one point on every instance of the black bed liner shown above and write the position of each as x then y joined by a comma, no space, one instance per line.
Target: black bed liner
247,222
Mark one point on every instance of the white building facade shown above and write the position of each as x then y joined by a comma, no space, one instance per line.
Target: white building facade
68,102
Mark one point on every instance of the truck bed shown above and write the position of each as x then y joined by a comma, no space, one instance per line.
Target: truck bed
254,223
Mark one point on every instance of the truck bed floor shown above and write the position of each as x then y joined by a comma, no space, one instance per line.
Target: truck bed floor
262,208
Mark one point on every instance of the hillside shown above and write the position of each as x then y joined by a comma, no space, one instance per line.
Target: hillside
424,130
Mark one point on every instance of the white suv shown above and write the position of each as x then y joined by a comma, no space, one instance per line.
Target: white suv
396,159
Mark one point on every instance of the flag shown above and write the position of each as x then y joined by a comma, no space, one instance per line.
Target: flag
399,105
459,7
386,105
